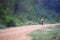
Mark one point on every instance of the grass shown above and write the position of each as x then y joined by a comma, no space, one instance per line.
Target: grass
45,34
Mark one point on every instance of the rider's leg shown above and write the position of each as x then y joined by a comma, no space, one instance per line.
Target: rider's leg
42,22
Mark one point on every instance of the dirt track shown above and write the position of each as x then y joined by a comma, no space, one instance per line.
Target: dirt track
20,33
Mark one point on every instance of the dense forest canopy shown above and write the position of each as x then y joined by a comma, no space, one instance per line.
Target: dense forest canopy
27,12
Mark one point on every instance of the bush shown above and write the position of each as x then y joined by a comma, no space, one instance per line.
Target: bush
2,26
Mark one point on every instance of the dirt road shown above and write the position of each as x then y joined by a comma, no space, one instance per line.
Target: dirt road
20,33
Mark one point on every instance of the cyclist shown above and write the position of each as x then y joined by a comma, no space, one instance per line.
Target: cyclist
42,20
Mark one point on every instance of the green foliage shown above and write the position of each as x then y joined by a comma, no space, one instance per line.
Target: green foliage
25,12
2,26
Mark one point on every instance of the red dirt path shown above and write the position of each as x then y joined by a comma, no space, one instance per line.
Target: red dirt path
20,33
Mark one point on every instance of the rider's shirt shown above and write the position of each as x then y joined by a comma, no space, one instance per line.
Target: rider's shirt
41,19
